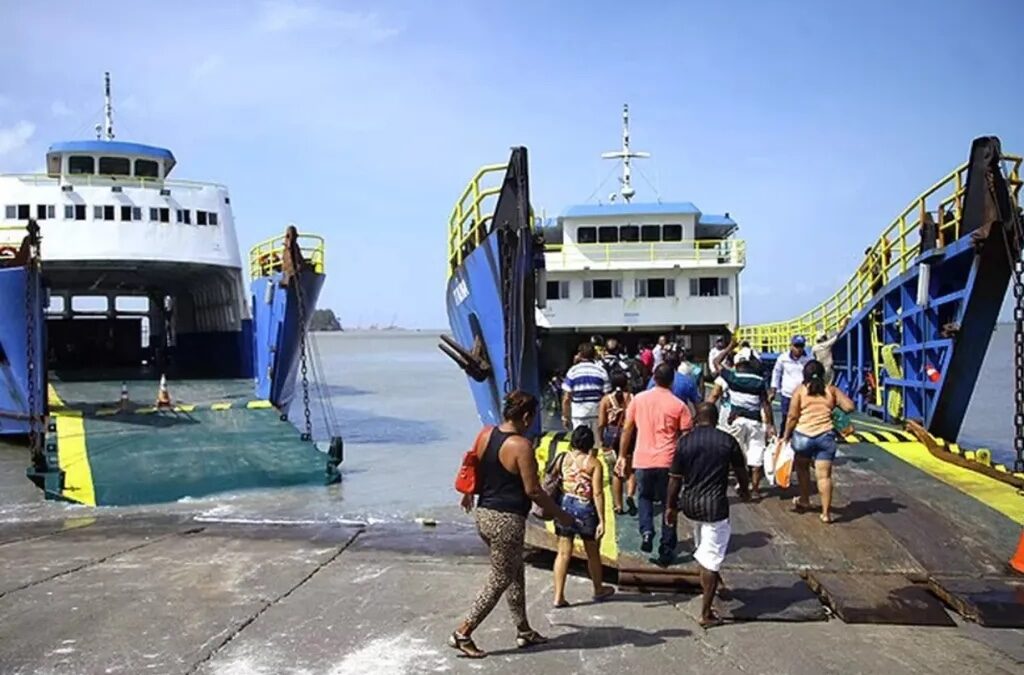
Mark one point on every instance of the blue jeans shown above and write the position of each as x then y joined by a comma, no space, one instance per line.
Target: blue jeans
585,514
784,411
820,448
651,488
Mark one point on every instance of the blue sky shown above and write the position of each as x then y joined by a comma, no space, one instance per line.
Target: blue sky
811,125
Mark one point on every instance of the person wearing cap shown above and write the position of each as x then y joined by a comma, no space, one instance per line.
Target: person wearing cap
822,351
788,374
749,419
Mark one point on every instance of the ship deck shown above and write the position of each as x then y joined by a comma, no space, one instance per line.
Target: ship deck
214,438
911,534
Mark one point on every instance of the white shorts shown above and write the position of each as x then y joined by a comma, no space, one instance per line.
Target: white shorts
753,440
712,540
589,422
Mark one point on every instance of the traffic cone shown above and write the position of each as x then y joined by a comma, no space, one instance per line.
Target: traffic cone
1017,561
163,397
124,396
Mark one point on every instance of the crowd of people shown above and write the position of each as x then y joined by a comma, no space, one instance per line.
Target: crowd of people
673,443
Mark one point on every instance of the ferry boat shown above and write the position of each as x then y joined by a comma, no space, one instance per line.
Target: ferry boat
914,323
131,349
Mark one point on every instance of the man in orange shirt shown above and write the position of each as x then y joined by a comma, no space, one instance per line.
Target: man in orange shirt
657,418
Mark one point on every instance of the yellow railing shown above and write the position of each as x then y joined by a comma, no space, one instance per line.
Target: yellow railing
106,181
12,235
265,257
711,252
467,225
892,254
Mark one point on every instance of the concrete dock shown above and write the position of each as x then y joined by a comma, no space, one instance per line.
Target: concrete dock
171,594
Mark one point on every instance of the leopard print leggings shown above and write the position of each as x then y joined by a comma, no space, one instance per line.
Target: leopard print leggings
504,534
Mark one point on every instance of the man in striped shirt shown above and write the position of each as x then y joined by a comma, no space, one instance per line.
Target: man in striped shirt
584,386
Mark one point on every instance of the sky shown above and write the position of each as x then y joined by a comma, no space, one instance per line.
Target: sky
813,124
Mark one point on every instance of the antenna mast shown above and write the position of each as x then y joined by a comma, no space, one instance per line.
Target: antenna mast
106,132
625,155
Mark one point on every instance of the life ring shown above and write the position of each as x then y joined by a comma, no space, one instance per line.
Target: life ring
8,252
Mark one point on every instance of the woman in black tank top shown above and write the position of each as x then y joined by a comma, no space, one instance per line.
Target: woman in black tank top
505,491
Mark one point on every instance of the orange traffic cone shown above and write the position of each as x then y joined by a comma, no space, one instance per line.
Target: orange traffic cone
124,396
163,397
1017,561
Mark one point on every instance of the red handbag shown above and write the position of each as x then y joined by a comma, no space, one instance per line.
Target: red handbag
465,479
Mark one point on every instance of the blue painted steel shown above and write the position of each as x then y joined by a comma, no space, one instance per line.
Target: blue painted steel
276,334
711,219
14,390
630,209
112,148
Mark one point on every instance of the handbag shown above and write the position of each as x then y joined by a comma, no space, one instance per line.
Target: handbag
465,479
841,422
783,462
552,485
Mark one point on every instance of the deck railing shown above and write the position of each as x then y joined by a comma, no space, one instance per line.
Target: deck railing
109,181
895,251
701,252
467,224
265,257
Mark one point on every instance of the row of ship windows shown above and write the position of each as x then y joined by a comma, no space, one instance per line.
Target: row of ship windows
109,212
642,288
113,166
613,234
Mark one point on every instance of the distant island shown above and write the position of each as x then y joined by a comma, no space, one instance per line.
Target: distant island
325,321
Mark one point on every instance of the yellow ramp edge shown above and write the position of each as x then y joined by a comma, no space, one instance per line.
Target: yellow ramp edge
73,459
998,495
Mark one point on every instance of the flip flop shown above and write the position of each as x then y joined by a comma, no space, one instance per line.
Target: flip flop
827,519
800,507
530,638
561,605
605,593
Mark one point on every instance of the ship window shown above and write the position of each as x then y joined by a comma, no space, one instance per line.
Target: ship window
655,288
126,213
200,217
586,235
608,234
709,286
147,168
185,216
136,213
74,211
10,212
103,212
115,166
90,303
81,165
45,211
629,233
672,233
723,286
558,290
24,211
131,303
602,288
165,215
650,233
213,218
160,215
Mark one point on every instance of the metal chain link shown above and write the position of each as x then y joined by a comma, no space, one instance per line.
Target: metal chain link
1018,348
35,444
507,261
303,361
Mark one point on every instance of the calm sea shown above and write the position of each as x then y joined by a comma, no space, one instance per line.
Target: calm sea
407,416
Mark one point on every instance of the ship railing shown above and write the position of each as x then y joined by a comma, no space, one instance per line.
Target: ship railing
467,225
699,252
92,180
265,258
893,253
12,235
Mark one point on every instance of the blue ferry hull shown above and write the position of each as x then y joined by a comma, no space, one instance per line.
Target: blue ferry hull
14,388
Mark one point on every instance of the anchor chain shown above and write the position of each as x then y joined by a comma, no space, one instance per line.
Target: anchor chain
1015,249
507,288
303,359
35,441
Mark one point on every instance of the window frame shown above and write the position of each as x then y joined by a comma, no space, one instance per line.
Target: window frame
127,166
608,234
676,227
633,236
646,233
25,209
91,161
10,211
591,234
156,168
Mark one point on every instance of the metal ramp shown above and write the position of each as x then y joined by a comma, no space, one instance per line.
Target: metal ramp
213,438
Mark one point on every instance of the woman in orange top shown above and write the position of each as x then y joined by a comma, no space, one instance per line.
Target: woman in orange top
809,429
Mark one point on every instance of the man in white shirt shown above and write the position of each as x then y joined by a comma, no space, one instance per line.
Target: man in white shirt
713,355
584,386
659,350
788,374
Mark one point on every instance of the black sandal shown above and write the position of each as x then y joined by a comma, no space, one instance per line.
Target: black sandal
466,646
530,638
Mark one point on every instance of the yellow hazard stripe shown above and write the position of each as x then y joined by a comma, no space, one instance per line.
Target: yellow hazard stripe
73,458
989,491
184,408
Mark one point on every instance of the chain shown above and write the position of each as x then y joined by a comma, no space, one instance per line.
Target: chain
507,262
303,361
35,442
1016,249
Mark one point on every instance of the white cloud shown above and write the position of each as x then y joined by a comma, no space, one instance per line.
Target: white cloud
278,16
60,109
15,137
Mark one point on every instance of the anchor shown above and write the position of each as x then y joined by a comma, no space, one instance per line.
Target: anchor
475,363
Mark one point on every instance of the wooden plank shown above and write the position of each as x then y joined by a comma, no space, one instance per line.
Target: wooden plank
769,596
997,602
879,598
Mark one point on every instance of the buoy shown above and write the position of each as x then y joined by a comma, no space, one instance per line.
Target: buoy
163,397
1017,561
124,396
933,374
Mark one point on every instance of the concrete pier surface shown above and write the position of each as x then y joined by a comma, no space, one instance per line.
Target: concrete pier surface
176,594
